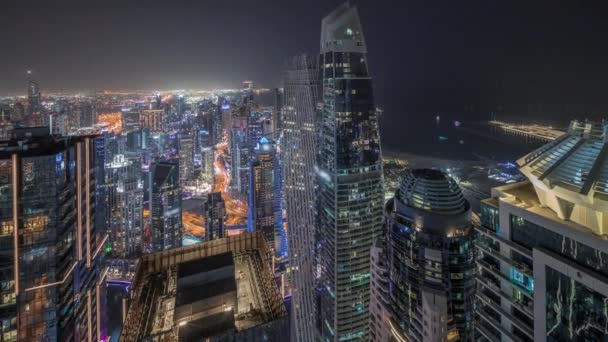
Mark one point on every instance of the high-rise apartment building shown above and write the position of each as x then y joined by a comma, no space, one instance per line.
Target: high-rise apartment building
154,119
186,158
36,116
299,104
125,191
218,123
34,97
240,154
51,252
430,258
207,161
130,119
215,215
543,244
379,301
349,172
265,212
165,207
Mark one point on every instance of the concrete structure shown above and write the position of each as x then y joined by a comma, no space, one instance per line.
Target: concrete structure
543,244
221,290
349,177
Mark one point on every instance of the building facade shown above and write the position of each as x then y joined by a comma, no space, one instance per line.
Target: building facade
265,212
542,244
297,125
165,207
51,276
350,182
186,158
379,301
154,119
125,191
215,214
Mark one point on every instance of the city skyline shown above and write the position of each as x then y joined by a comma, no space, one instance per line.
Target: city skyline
364,171
449,55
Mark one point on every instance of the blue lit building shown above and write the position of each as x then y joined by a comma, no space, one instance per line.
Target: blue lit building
543,244
265,213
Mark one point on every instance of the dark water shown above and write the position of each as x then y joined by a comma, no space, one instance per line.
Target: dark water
424,135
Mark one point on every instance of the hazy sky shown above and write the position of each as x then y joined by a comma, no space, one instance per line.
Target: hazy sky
423,54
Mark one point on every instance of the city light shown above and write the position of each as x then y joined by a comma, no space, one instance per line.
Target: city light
191,174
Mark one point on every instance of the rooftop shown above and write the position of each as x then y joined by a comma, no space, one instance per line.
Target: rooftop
523,195
570,174
341,30
36,141
246,299
432,190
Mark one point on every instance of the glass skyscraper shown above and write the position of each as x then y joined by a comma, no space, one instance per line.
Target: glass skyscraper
165,207
50,251
349,172
298,112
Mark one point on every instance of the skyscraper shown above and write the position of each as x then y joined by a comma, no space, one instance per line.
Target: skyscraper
33,96
154,119
165,207
543,244
349,169
430,255
301,94
240,155
264,197
50,284
125,191
379,301
186,158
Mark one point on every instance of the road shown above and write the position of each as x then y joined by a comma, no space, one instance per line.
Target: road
236,210
193,223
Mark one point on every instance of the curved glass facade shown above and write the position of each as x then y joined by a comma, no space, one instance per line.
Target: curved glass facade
432,268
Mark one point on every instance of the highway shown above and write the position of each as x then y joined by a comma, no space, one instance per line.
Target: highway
193,224
236,210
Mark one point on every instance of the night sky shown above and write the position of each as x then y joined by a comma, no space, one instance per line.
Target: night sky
426,56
